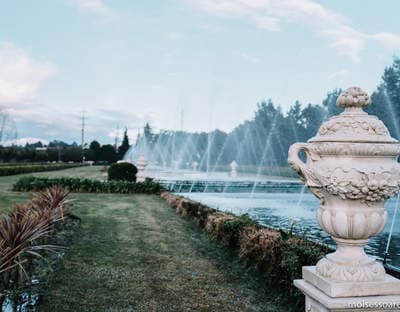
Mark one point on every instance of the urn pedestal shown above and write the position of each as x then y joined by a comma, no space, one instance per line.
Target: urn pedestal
352,168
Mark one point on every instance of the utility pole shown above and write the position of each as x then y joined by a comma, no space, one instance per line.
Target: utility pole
117,137
83,124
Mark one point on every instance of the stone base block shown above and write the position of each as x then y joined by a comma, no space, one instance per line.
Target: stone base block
317,301
389,286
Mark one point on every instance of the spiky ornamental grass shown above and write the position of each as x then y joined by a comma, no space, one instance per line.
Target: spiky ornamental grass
23,237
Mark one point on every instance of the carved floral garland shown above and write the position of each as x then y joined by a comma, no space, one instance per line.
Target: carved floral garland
353,125
357,184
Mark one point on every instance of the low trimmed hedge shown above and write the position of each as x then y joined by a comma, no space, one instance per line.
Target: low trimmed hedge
276,255
7,170
27,184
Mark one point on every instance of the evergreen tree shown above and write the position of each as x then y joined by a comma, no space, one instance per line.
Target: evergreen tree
123,148
330,103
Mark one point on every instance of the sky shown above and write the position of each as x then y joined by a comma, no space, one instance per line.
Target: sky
194,65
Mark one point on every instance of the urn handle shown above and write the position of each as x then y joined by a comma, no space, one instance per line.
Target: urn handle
296,163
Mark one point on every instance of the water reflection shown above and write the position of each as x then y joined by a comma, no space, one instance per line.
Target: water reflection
278,209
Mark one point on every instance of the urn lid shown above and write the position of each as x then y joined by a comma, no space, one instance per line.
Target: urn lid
354,124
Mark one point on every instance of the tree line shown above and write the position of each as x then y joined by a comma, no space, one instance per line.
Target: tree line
59,151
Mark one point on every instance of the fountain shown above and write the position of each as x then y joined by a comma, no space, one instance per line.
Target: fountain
352,169
194,166
233,166
141,165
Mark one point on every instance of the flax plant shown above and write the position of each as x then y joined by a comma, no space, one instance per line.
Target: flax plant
23,237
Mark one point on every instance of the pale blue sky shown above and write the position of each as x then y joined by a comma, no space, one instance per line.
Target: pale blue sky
128,62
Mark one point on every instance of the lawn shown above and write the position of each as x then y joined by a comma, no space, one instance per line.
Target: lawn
9,198
133,253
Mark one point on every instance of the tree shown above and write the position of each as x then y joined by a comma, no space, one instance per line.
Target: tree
107,153
148,135
123,148
330,103
386,99
312,117
74,154
94,145
94,151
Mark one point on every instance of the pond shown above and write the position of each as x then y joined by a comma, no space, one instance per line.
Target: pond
277,210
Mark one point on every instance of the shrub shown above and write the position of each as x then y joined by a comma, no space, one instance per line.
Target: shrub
27,184
232,229
214,224
122,172
296,253
190,208
261,247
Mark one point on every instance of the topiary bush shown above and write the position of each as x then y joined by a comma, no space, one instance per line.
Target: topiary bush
124,171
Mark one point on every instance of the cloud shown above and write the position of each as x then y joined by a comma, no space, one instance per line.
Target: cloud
65,124
173,36
389,40
24,141
273,15
338,74
249,58
21,76
101,123
97,7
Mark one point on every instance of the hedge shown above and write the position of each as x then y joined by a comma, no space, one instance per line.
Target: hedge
278,256
6,170
27,184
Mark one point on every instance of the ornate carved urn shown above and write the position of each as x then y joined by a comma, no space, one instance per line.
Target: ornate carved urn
234,165
141,164
352,168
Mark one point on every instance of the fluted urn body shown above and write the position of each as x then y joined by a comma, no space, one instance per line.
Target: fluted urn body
352,168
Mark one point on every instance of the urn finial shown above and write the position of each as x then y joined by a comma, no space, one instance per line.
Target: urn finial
354,124
353,97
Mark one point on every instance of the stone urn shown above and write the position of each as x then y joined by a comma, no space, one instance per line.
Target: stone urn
351,166
141,165
234,165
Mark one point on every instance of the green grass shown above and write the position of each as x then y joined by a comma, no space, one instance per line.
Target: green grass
133,253
8,198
